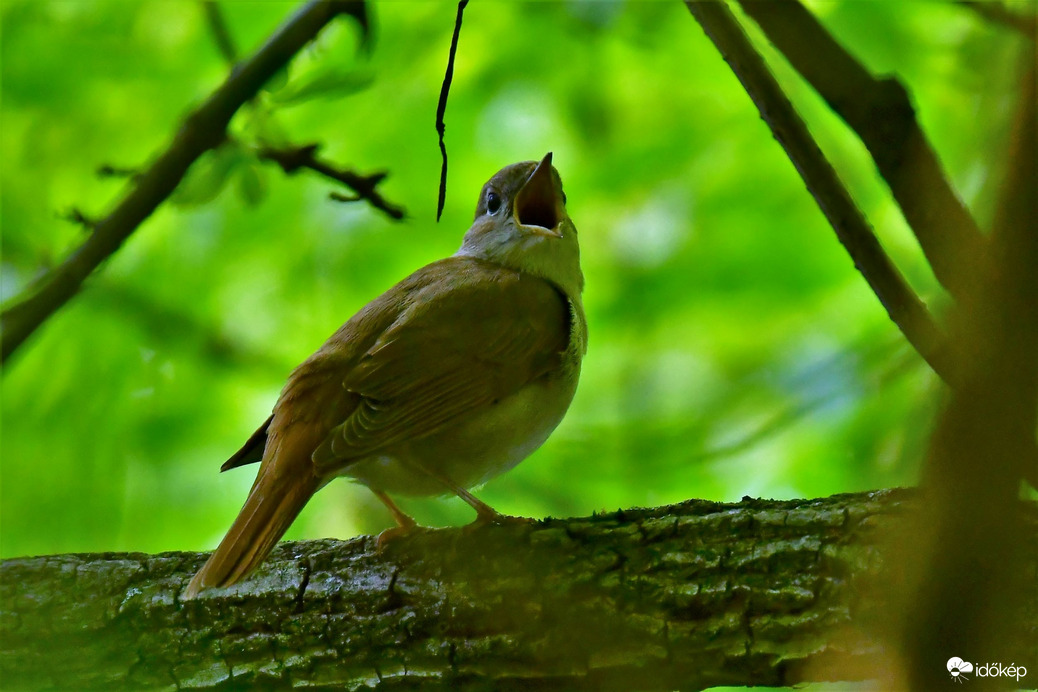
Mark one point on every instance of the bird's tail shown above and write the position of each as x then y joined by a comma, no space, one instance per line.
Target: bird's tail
277,497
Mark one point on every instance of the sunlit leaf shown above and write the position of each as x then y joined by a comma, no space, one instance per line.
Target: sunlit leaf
324,82
207,177
252,182
260,124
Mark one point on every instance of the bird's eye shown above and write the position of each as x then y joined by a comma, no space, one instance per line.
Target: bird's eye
493,203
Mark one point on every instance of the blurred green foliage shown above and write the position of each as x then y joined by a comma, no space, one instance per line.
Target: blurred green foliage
734,349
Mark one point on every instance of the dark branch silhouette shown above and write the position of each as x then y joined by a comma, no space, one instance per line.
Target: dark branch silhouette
291,160
204,129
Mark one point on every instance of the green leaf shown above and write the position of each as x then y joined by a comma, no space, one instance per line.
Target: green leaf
207,177
261,125
325,82
252,183
277,81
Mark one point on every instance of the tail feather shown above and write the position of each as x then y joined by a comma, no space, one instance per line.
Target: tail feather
275,501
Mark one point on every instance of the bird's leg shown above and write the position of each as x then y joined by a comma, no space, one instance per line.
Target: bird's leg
404,522
485,514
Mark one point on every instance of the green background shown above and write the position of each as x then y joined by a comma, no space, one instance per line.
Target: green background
734,350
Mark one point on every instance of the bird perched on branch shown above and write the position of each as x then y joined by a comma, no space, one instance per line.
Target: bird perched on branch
451,377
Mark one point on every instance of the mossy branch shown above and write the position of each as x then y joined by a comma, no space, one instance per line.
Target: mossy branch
681,597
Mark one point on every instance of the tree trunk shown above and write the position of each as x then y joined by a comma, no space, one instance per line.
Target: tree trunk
682,597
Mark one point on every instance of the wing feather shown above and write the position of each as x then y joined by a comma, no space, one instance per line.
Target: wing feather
453,349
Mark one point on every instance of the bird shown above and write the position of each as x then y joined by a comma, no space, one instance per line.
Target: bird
451,377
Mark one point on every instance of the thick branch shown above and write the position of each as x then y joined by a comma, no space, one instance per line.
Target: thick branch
204,129
905,308
879,111
682,597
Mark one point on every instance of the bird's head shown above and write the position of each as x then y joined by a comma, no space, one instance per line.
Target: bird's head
521,223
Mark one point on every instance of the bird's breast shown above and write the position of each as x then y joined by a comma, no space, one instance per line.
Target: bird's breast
478,446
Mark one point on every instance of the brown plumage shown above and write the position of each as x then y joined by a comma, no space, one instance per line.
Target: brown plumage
452,376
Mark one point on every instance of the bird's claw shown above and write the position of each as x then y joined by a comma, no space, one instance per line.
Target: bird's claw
390,535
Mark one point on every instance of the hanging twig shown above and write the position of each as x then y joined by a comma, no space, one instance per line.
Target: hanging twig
441,107
203,130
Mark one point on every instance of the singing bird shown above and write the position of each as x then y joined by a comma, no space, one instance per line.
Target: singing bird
451,377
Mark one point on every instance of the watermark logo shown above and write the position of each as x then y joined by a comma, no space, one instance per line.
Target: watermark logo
960,670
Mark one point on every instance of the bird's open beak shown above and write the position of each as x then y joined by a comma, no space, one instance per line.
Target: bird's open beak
536,203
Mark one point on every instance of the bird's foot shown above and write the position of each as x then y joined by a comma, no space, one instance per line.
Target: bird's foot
487,515
390,535
405,524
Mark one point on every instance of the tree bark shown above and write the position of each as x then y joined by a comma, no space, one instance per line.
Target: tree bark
689,596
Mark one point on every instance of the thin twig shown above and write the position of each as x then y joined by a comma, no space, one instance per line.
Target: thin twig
221,32
76,216
293,159
204,129
905,308
441,107
110,171
880,112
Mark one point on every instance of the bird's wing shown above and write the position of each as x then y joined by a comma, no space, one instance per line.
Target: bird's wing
252,451
314,394
473,334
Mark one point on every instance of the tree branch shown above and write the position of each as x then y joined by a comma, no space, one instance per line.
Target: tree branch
682,597
879,111
204,129
291,158
905,308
